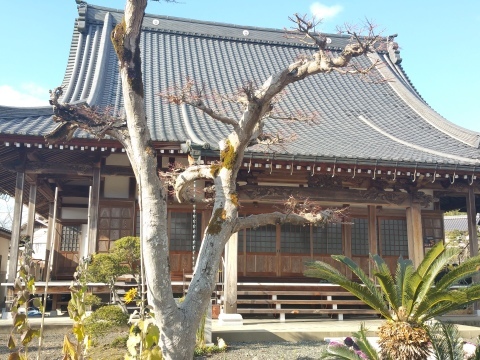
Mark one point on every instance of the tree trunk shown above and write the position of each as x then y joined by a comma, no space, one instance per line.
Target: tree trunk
178,323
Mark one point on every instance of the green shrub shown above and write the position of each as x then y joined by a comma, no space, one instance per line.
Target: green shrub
104,320
92,300
120,342
208,350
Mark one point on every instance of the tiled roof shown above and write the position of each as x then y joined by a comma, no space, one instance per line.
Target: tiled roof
457,222
362,120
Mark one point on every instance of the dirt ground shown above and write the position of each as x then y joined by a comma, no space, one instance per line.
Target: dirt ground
53,342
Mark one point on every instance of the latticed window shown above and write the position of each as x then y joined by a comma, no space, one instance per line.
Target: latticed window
262,239
327,239
295,239
70,238
360,237
393,235
181,231
137,223
432,230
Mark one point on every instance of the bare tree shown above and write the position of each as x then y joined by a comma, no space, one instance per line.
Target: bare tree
6,211
178,323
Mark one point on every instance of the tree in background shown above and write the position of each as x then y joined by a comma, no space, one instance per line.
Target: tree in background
123,259
6,210
178,323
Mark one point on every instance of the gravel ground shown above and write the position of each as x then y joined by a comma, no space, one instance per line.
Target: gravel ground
304,350
52,349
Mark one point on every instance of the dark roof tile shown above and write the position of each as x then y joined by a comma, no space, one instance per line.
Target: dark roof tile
357,119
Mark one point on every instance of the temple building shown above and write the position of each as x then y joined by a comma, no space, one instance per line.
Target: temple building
377,149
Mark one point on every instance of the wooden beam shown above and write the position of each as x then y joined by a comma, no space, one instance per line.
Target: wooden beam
42,167
117,170
50,230
42,186
372,235
16,224
329,194
472,232
472,222
93,203
415,234
347,243
230,276
52,225
31,210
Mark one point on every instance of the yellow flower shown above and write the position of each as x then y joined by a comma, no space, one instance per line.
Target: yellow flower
130,295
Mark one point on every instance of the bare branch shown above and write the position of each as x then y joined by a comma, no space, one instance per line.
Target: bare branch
306,28
273,142
214,115
71,117
193,95
298,115
186,178
254,221
296,212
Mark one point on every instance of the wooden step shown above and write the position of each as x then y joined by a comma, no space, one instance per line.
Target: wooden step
306,311
299,302
290,293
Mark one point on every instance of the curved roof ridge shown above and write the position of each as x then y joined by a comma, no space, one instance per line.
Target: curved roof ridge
195,21
400,73
211,29
75,70
418,147
97,37
468,137
188,126
83,69
102,61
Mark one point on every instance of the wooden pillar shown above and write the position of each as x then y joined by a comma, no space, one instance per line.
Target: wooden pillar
472,221
230,277
472,232
278,247
31,211
347,244
93,203
17,222
414,234
372,235
50,231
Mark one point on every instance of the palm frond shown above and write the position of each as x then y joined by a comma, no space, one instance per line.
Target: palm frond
386,282
364,344
412,286
451,298
425,287
410,283
446,342
403,274
325,271
429,258
335,352
473,292
442,308
357,270
467,268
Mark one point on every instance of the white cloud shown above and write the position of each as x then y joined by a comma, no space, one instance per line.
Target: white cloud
29,95
324,12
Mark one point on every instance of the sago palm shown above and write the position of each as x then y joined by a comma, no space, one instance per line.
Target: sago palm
407,300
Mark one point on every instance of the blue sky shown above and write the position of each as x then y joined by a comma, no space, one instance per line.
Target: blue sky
438,41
